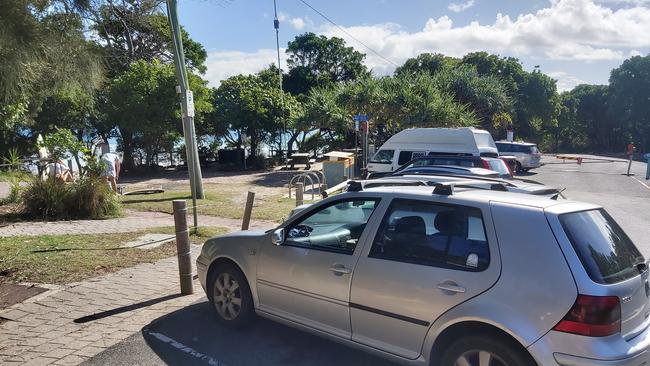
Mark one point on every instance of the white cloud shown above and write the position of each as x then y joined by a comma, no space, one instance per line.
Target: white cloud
223,64
578,30
296,23
458,7
565,81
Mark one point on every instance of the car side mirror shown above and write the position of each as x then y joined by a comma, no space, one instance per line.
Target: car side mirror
277,238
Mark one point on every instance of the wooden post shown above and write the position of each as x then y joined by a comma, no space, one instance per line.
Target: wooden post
299,191
183,246
248,210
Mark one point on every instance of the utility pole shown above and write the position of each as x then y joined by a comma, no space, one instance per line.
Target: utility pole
187,108
276,25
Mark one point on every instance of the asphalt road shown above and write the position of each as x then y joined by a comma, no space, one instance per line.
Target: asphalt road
192,336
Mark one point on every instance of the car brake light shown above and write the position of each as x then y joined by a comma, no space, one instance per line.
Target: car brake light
592,316
512,174
486,165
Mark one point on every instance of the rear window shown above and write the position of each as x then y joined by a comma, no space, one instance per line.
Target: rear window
606,252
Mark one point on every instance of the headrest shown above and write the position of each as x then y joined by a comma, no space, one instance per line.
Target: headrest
411,225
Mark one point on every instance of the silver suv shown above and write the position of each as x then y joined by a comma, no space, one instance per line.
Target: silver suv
527,155
443,276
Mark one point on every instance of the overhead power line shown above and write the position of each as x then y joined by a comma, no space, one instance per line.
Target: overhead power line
348,33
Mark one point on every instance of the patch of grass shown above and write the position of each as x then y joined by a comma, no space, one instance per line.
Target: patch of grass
19,175
49,258
223,203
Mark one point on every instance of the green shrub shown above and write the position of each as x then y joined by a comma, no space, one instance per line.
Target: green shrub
46,199
52,199
14,192
91,197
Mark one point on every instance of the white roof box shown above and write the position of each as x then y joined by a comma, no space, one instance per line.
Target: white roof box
465,140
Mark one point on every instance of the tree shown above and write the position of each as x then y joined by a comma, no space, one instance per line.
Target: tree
246,105
144,104
431,63
629,90
317,61
133,30
42,48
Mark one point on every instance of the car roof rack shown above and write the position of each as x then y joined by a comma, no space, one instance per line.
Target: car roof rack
354,186
445,189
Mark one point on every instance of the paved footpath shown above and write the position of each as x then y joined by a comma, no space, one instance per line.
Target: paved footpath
134,221
51,328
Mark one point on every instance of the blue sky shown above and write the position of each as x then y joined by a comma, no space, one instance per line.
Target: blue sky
574,41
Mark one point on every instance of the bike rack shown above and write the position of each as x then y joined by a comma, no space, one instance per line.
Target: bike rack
311,176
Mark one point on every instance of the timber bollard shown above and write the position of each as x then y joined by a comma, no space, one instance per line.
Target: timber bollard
299,191
248,210
183,246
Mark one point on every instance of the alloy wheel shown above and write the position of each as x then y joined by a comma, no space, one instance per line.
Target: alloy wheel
227,296
479,358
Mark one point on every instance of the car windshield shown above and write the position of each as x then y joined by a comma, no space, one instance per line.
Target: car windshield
604,249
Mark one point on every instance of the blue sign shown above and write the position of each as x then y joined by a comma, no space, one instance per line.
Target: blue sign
360,117
646,156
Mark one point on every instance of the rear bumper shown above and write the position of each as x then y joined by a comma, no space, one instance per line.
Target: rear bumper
568,360
563,349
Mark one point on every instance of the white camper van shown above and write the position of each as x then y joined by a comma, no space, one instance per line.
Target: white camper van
415,142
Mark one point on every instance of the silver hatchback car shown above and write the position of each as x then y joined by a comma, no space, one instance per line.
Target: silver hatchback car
449,276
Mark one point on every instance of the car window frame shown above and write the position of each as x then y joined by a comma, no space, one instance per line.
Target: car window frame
314,210
493,258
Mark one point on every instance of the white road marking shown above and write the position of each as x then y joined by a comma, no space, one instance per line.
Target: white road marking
181,347
643,184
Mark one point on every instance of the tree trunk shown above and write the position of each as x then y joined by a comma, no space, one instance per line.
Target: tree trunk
292,140
127,149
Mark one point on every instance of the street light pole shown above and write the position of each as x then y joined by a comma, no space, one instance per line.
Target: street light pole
187,108
276,25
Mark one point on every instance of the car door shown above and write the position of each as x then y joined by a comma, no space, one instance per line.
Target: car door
425,258
307,278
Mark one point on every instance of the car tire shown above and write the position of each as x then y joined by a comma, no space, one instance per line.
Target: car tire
230,296
501,351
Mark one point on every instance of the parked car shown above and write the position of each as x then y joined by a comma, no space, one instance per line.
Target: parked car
415,142
496,164
443,276
511,161
527,154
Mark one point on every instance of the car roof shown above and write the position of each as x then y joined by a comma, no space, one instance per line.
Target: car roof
468,195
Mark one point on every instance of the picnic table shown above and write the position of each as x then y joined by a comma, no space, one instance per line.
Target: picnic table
301,158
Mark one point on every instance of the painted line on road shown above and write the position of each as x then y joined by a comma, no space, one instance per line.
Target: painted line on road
643,184
183,348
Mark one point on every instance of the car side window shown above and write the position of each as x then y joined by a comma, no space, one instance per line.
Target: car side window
432,234
404,157
336,227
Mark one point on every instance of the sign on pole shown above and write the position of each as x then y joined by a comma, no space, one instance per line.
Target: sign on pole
190,103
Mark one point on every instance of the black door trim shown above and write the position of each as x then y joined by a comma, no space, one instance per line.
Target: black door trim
389,314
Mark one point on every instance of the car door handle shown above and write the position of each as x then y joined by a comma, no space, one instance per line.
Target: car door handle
451,287
340,269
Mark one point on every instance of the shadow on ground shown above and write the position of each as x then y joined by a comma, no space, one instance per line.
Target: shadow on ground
193,336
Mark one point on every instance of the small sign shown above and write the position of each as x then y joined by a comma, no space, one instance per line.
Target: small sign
356,126
360,117
646,156
190,103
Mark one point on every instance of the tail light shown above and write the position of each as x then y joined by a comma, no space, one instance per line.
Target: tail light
486,165
592,316
512,174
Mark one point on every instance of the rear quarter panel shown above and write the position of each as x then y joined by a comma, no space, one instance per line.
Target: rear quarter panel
535,288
